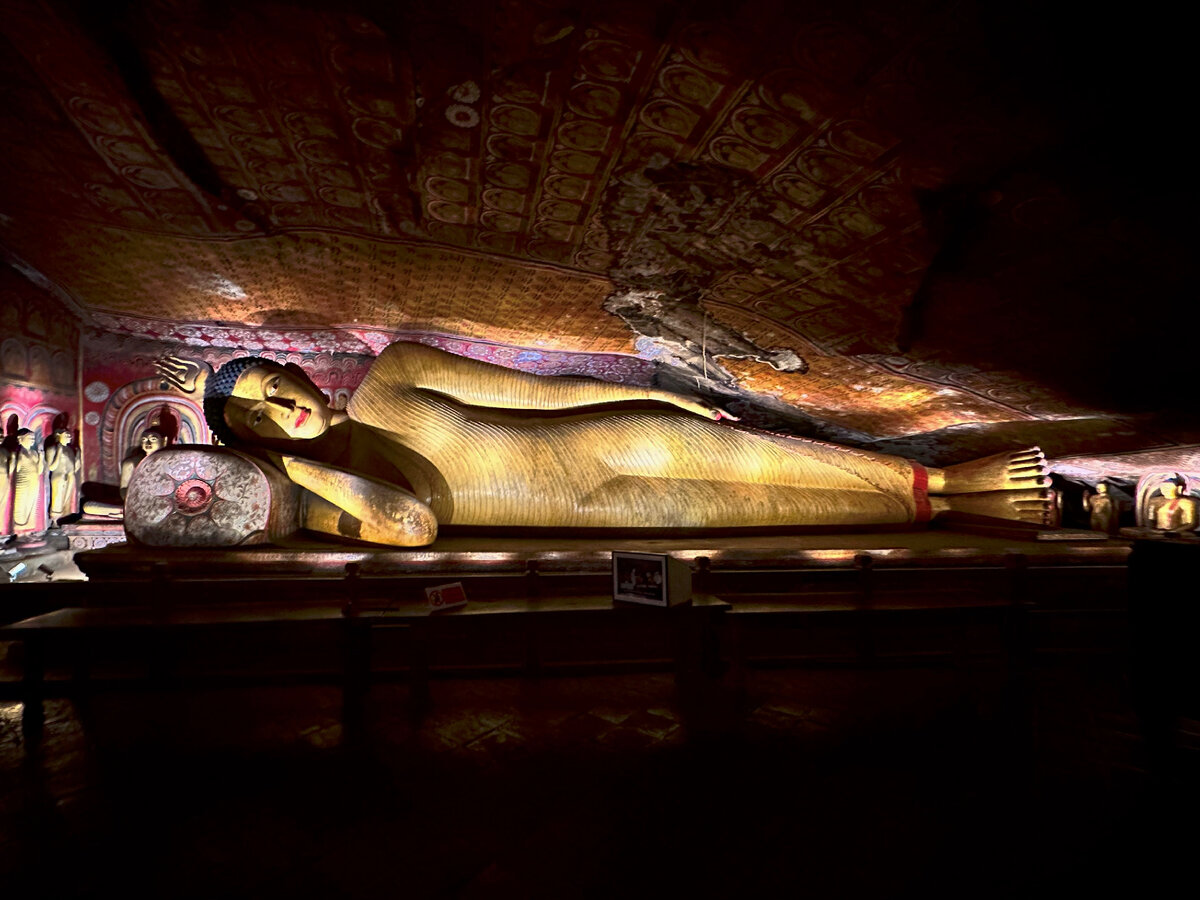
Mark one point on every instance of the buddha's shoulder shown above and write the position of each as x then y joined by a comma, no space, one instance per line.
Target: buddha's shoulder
386,394
399,351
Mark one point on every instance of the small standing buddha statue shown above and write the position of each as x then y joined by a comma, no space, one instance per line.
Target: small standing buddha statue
63,462
27,481
8,461
1171,510
1101,509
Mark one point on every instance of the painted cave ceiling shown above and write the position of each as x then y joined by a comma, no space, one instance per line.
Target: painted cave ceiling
941,227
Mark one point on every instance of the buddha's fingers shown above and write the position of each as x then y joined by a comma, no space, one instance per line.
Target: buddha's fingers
186,374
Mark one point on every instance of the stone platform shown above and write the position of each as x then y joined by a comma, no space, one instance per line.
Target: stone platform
92,534
550,555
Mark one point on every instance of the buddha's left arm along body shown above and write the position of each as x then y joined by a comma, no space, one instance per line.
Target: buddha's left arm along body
483,384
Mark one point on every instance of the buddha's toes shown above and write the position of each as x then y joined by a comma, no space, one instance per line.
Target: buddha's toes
1021,470
1034,505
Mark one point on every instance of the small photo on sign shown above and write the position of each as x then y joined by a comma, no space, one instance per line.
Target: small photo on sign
651,579
446,596
639,578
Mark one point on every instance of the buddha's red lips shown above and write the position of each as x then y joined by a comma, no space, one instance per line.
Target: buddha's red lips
302,416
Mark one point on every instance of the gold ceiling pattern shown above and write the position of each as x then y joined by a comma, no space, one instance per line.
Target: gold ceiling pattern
363,283
498,169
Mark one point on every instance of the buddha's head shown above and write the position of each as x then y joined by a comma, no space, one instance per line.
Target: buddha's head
152,440
1102,488
62,436
1170,489
251,399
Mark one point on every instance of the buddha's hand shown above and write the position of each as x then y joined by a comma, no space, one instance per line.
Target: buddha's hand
361,507
189,375
694,405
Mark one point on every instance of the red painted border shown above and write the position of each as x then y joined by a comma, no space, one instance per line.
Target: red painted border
921,493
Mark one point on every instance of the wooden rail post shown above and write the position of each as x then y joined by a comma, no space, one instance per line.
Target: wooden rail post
1018,653
864,565
33,689
533,627
356,659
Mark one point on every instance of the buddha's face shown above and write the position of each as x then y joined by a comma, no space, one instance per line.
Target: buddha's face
152,442
26,440
1170,490
1102,488
268,401
64,437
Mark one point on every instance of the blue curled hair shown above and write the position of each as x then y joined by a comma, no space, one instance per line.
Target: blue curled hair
219,388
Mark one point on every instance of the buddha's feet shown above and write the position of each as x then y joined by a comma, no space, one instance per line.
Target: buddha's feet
1022,470
1035,505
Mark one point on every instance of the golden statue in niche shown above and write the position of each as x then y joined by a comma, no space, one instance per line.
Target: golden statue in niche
432,438
1171,510
1101,509
64,463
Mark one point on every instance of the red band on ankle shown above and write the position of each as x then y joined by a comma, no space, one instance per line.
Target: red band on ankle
921,493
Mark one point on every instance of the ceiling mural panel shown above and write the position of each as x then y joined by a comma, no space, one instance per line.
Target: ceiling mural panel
302,145
324,281
102,163
921,202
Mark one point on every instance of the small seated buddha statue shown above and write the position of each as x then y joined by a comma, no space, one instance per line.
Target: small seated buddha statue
1171,510
64,463
150,441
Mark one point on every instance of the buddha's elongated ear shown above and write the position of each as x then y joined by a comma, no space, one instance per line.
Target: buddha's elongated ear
187,375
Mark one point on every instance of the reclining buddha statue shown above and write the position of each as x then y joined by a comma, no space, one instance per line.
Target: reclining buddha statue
430,438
